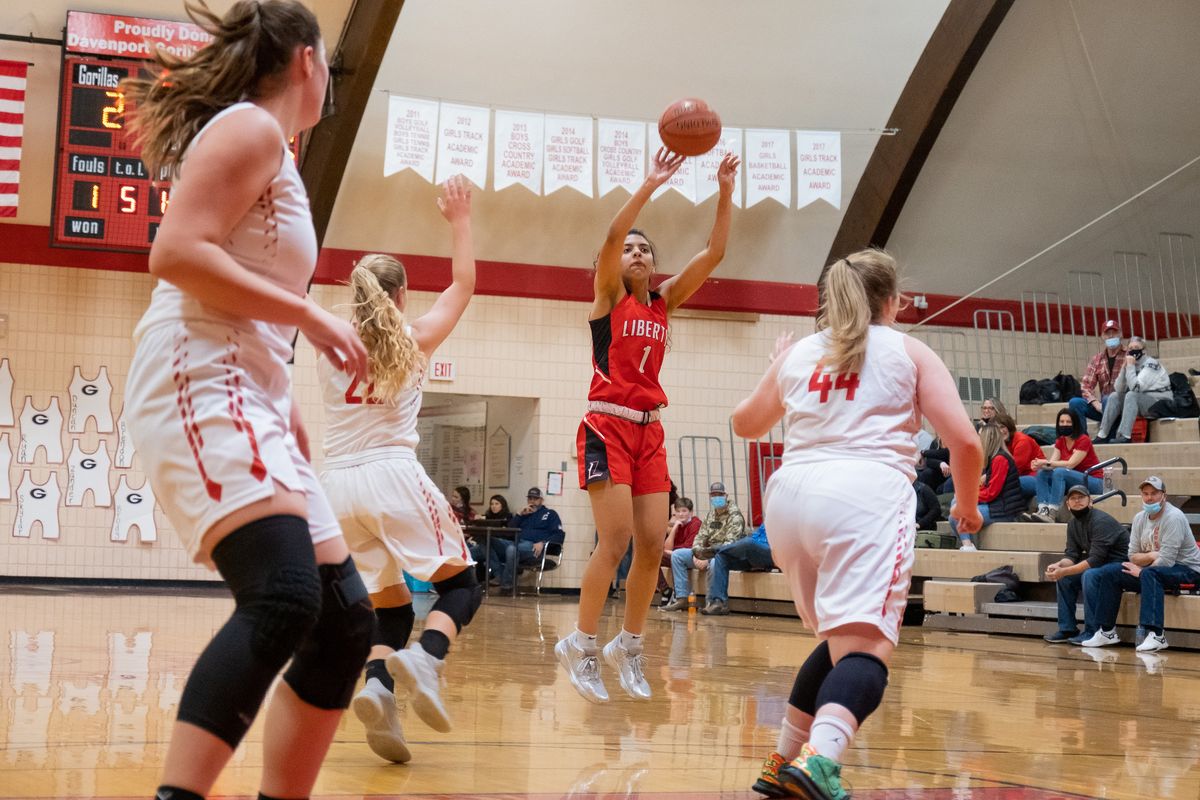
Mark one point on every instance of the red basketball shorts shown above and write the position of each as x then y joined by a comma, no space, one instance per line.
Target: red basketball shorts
616,449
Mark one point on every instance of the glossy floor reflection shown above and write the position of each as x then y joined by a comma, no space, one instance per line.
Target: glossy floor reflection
89,682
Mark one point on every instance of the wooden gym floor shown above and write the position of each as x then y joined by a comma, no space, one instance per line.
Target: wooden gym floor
89,681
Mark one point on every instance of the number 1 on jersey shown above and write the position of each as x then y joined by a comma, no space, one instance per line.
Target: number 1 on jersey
824,383
645,355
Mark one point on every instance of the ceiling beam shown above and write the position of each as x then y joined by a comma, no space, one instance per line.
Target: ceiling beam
355,64
953,50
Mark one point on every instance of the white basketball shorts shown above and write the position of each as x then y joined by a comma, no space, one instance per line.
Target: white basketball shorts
393,516
209,410
842,532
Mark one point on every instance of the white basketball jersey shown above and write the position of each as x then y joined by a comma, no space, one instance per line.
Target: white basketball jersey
6,387
88,471
871,415
41,428
5,462
37,502
355,424
90,398
135,507
275,240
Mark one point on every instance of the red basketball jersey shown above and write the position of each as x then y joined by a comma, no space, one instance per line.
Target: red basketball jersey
628,347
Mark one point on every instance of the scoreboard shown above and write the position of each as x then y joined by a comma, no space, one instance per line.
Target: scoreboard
104,196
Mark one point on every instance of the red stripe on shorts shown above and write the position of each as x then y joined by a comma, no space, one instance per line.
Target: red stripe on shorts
187,413
431,507
237,401
900,531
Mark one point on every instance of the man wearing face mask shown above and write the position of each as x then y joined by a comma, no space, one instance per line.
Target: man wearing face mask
1094,541
723,524
1162,554
1099,377
1141,383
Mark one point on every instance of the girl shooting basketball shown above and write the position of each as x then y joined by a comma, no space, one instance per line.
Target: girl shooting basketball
622,458
852,396
209,394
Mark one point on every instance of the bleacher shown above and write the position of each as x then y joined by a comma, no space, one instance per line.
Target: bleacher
942,578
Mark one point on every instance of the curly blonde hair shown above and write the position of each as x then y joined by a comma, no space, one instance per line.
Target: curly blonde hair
252,44
394,359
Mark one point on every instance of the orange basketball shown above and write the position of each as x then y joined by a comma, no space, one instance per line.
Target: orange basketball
689,127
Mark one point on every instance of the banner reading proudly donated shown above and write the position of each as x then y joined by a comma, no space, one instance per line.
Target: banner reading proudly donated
131,37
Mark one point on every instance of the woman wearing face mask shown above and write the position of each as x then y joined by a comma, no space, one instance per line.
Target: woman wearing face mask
1141,383
1074,457
1000,498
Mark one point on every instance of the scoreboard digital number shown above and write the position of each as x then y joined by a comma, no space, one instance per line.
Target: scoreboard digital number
104,196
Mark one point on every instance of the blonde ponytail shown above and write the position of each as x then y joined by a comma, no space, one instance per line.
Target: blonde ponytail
394,359
853,291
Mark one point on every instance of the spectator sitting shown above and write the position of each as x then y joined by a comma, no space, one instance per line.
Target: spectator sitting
1141,383
1094,540
929,510
1000,497
751,552
539,526
933,467
1162,554
988,411
1075,458
1024,450
724,524
497,508
460,504
681,533
1099,378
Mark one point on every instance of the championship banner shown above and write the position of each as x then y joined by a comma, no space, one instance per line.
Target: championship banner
463,143
411,136
520,138
131,37
707,165
568,160
819,168
684,179
768,167
621,153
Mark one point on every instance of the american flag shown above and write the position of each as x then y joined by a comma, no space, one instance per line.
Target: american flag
12,118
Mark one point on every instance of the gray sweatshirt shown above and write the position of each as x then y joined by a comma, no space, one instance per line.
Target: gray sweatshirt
1146,376
1170,535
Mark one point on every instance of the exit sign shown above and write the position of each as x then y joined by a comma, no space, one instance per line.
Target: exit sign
440,370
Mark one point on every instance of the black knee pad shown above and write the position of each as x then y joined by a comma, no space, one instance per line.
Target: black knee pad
393,626
856,683
327,663
459,597
270,568
809,679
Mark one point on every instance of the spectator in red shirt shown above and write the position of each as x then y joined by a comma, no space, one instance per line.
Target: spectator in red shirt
1024,450
1099,378
681,532
1000,497
1074,458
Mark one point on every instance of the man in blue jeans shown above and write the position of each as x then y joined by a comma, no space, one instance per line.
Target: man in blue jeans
751,553
539,526
1162,554
1099,377
1094,539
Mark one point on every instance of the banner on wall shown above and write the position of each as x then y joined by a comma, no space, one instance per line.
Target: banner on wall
818,168
768,167
520,138
707,165
12,126
463,143
684,179
568,160
411,136
621,151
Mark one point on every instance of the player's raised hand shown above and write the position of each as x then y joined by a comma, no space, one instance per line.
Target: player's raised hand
782,343
727,171
664,165
455,202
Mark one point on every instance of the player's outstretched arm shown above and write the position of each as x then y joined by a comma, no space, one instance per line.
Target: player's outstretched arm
432,327
677,289
759,412
608,285
937,397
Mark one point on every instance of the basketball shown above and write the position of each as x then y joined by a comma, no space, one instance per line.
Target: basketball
689,127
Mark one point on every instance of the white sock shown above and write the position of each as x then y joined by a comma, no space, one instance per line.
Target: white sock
830,736
630,641
791,739
585,641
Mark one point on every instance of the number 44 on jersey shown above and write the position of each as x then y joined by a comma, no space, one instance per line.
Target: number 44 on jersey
824,383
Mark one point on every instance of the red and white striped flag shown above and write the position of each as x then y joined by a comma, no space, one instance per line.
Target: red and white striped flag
12,122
